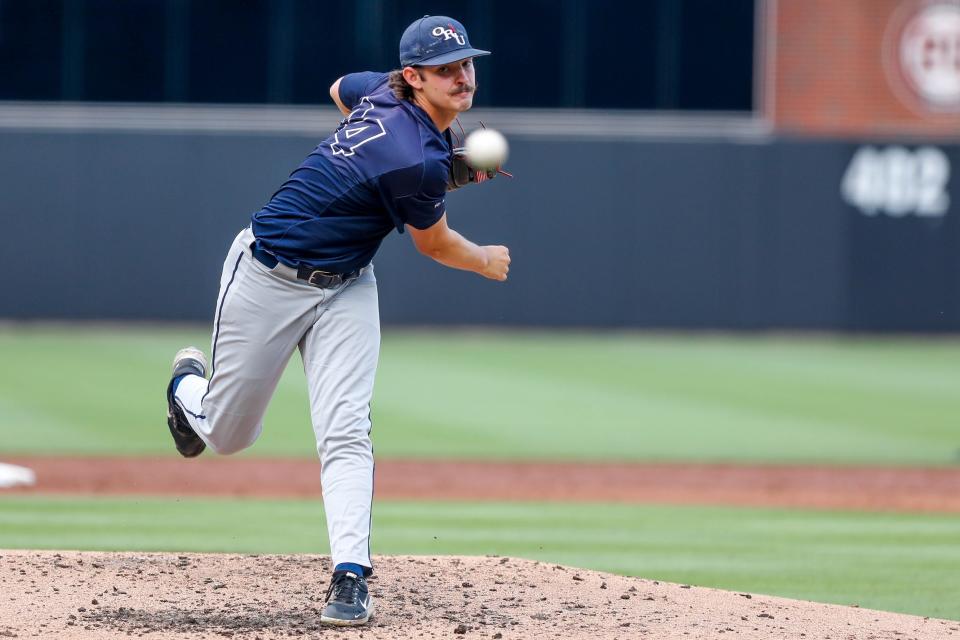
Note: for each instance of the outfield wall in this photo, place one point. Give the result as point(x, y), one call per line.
point(613, 220)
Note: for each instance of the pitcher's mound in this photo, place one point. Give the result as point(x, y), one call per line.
point(161, 595)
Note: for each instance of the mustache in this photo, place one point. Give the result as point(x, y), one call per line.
point(464, 89)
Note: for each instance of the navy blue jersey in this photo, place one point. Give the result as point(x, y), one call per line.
point(384, 167)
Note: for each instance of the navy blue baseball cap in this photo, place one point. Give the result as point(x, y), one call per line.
point(434, 40)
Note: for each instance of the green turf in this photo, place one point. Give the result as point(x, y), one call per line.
point(906, 563)
point(526, 395)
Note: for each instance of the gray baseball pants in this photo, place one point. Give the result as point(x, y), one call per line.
point(262, 316)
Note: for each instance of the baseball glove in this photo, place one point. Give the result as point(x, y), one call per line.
point(461, 173)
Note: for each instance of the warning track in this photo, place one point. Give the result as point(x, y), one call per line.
point(861, 488)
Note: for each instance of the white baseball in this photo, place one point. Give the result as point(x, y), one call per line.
point(486, 149)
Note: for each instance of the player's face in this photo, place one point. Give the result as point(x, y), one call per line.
point(450, 87)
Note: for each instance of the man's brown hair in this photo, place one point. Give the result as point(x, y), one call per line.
point(399, 85)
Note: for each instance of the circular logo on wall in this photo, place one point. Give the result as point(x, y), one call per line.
point(922, 52)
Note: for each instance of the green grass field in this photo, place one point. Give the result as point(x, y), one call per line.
point(906, 563)
point(526, 396)
point(568, 396)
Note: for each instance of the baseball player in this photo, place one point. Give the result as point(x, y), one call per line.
point(301, 277)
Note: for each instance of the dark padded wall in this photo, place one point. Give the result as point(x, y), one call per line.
point(667, 234)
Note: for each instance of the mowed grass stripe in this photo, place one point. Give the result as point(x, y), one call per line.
point(748, 386)
point(896, 562)
point(526, 396)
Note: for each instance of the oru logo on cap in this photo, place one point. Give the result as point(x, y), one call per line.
point(449, 33)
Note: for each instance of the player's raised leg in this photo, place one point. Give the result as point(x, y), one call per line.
point(259, 320)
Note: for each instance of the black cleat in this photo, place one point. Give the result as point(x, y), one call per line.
point(348, 600)
point(189, 444)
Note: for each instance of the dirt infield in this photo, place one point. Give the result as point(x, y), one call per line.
point(100, 595)
point(865, 488)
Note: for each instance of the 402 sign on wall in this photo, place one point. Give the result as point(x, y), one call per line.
point(897, 181)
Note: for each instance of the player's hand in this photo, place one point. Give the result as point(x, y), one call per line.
point(498, 262)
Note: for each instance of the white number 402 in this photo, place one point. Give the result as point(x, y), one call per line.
point(898, 182)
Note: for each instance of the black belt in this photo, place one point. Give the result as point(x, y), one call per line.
point(314, 277)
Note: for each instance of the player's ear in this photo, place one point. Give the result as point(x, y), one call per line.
point(413, 77)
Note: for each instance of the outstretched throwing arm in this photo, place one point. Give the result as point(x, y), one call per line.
point(451, 249)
